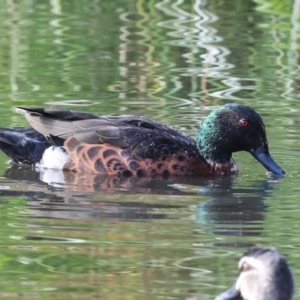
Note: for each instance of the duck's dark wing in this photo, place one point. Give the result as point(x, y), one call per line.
point(23, 145)
point(139, 136)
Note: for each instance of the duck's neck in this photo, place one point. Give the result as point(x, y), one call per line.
point(211, 144)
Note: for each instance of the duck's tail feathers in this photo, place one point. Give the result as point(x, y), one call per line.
point(23, 145)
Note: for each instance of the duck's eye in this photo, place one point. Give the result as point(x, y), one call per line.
point(245, 267)
point(243, 123)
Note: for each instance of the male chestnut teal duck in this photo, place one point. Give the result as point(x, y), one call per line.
point(137, 146)
point(264, 275)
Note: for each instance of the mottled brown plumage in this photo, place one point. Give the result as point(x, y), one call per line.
point(111, 160)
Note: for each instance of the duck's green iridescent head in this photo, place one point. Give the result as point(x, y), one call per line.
point(232, 128)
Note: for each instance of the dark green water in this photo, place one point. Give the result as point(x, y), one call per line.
point(169, 60)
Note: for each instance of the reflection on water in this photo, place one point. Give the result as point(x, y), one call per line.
point(78, 198)
point(235, 211)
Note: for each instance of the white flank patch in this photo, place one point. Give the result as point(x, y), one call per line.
point(55, 178)
point(53, 158)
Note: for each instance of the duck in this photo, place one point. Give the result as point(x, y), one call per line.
point(264, 275)
point(130, 145)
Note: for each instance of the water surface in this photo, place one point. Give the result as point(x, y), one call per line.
point(73, 237)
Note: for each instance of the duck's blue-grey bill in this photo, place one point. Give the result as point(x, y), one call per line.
point(263, 156)
point(231, 294)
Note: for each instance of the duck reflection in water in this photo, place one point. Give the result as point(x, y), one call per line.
point(231, 209)
point(264, 275)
